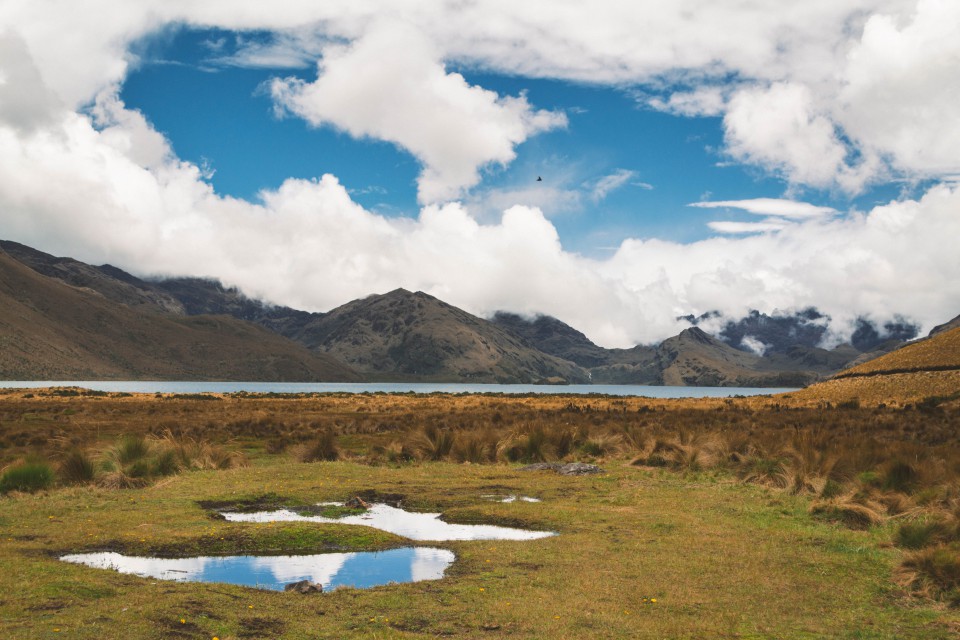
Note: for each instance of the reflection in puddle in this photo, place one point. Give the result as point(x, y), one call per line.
point(361, 569)
point(511, 498)
point(415, 526)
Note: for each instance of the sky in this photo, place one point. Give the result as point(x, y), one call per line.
point(616, 165)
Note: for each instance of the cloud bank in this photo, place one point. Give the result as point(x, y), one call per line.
point(827, 94)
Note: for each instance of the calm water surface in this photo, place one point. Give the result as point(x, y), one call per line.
point(415, 526)
point(395, 387)
point(360, 570)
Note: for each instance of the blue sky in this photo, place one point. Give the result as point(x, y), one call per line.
point(725, 156)
point(220, 116)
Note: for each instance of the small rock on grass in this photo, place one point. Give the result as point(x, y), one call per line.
point(569, 469)
point(357, 503)
point(304, 586)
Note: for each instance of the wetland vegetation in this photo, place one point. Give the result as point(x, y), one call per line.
point(768, 517)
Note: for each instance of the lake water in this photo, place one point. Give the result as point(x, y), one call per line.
point(360, 569)
point(395, 387)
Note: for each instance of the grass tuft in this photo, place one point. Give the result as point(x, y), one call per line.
point(27, 477)
point(846, 511)
point(76, 468)
point(323, 449)
point(933, 572)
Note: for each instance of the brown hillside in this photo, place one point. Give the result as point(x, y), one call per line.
point(53, 331)
point(927, 369)
point(695, 358)
point(404, 335)
point(938, 353)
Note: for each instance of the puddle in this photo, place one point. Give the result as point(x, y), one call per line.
point(508, 499)
point(360, 569)
point(415, 526)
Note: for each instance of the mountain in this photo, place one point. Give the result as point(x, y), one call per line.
point(946, 326)
point(51, 330)
point(414, 336)
point(782, 333)
point(404, 335)
point(691, 358)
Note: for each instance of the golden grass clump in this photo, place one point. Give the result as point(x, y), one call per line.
point(933, 572)
point(849, 511)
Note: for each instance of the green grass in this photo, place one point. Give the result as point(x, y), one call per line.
point(29, 476)
point(721, 559)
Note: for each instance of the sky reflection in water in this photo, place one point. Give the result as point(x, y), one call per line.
point(415, 526)
point(360, 569)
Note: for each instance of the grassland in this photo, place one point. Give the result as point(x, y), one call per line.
point(733, 515)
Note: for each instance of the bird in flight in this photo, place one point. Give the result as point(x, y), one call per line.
point(539, 179)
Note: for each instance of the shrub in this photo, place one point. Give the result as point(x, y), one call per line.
point(28, 476)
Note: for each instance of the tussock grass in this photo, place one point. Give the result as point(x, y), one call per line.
point(77, 468)
point(849, 511)
point(27, 476)
point(932, 572)
point(323, 449)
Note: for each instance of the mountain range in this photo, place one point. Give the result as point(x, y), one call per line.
point(61, 318)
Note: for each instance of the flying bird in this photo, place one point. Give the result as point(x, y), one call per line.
point(539, 179)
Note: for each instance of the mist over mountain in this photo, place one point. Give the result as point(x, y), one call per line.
point(779, 333)
point(401, 335)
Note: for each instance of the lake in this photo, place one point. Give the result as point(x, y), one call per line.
point(395, 387)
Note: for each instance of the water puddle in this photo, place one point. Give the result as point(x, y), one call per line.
point(415, 526)
point(360, 569)
point(510, 498)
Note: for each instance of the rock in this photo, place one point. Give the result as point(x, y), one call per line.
point(304, 586)
point(579, 469)
point(357, 502)
point(569, 469)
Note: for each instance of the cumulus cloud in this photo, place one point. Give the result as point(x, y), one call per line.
point(828, 93)
point(391, 85)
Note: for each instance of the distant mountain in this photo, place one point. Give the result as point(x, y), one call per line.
point(691, 358)
point(51, 330)
point(779, 333)
point(552, 336)
point(404, 335)
point(410, 336)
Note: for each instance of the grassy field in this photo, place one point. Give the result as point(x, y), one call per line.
point(713, 519)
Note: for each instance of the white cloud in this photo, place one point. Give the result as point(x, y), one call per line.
point(829, 93)
point(391, 85)
point(734, 227)
point(611, 182)
point(770, 207)
point(703, 101)
point(754, 345)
